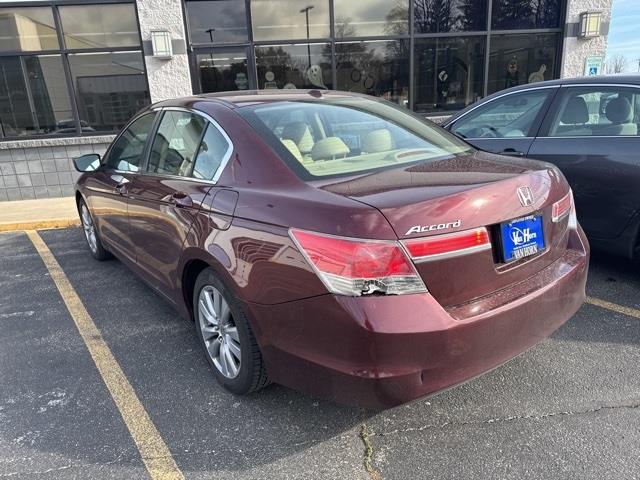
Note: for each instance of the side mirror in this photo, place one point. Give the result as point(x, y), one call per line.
point(87, 163)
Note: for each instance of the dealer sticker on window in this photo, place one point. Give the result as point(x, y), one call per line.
point(522, 238)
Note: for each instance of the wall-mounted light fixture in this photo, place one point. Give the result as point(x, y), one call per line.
point(590, 24)
point(161, 44)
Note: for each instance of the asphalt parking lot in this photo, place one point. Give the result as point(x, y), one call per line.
point(566, 409)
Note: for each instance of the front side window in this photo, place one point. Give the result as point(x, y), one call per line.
point(126, 153)
point(506, 117)
point(176, 143)
point(213, 150)
point(597, 111)
point(345, 136)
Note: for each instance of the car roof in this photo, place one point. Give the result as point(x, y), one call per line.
point(627, 78)
point(248, 97)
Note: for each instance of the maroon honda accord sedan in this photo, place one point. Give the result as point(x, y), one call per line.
point(335, 243)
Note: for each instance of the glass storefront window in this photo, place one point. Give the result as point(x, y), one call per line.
point(217, 21)
point(109, 87)
point(518, 14)
point(294, 66)
point(449, 72)
point(450, 16)
point(375, 68)
point(35, 90)
point(520, 59)
point(33, 96)
point(27, 30)
point(223, 71)
point(289, 19)
point(370, 17)
point(99, 26)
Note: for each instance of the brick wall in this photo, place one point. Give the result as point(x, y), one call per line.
point(43, 168)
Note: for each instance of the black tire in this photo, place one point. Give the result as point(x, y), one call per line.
point(98, 251)
point(251, 375)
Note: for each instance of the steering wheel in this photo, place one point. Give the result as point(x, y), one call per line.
point(489, 132)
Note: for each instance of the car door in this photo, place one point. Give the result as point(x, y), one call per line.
point(109, 185)
point(591, 134)
point(181, 169)
point(506, 124)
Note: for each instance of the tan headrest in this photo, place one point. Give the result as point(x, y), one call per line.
point(377, 141)
point(329, 148)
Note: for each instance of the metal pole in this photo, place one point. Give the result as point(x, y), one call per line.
point(305, 10)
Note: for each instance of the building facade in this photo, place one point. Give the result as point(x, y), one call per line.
point(72, 72)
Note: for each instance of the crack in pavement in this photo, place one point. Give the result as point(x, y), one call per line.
point(631, 406)
point(367, 461)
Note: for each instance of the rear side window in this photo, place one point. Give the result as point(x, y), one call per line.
point(337, 137)
point(126, 152)
point(597, 111)
point(176, 143)
point(213, 150)
point(510, 116)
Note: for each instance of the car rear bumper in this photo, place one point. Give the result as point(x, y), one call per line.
point(382, 351)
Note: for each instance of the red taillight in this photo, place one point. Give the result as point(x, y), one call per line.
point(562, 207)
point(453, 244)
point(356, 267)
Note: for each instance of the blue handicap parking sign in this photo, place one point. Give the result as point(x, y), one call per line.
point(593, 70)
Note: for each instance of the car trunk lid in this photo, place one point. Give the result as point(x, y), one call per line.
point(459, 194)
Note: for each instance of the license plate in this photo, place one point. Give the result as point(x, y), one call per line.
point(522, 238)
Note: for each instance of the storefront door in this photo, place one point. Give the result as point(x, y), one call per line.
point(222, 69)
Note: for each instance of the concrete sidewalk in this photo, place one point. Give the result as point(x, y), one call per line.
point(38, 214)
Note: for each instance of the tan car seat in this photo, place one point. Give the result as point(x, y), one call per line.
point(575, 117)
point(293, 149)
point(300, 134)
point(619, 113)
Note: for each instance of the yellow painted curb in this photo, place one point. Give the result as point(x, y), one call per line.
point(40, 224)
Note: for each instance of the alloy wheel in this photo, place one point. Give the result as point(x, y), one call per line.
point(219, 332)
point(89, 229)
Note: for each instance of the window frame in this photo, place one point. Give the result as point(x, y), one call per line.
point(553, 111)
point(64, 52)
point(144, 166)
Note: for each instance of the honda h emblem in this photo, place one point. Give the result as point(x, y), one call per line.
point(525, 195)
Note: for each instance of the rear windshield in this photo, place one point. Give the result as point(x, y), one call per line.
point(346, 136)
